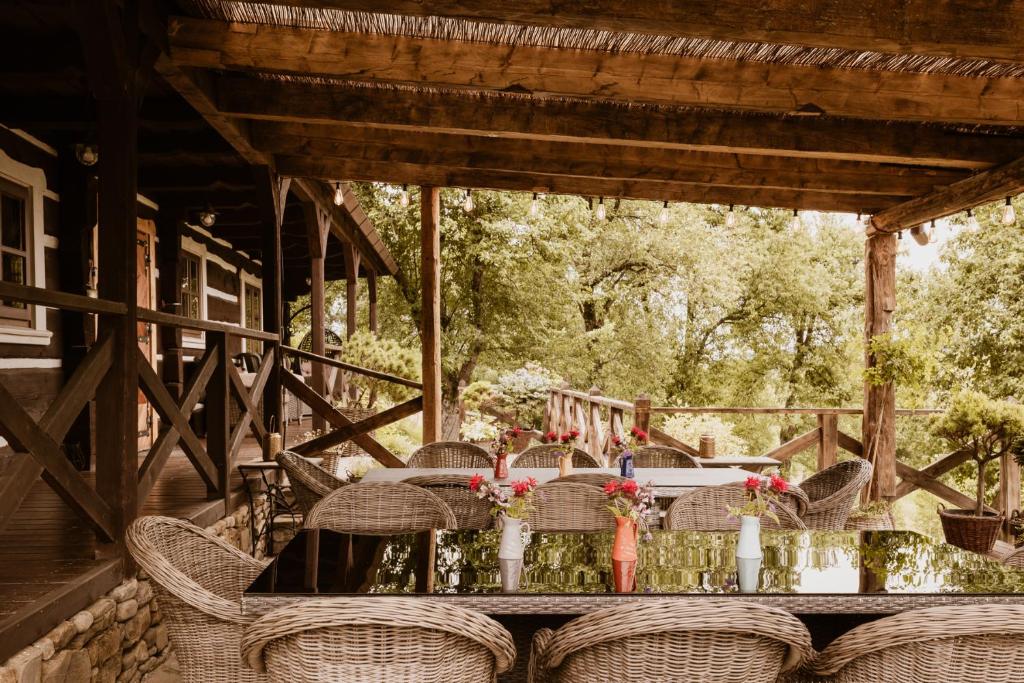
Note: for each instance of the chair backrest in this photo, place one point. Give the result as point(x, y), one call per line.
point(471, 512)
point(833, 492)
point(546, 455)
point(1015, 559)
point(450, 454)
point(706, 509)
point(932, 645)
point(663, 456)
point(198, 580)
point(384, 639)
point(570, 506)
point(309, 482)
point(380, 508)
point(712, 642)
point(592, 478)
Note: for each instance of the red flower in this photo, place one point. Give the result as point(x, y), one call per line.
point(475, 481)
point(635, 430)
point(550, 437)
point(523, 486)
point(617, 440)
point(778, 484)
point(532, 482)
point(574, 433)
point(753, 483)
point(611, 487)
point(641, 436)
point(629, 487)
point(566, 438)
point(517, 430)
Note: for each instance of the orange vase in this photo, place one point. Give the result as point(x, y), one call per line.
point(624, 555)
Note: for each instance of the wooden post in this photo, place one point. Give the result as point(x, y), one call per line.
point(1009, 492)
point(168, 231)
point(272, 192)
point(549, 411)
point(828, 440)
point(317, 226)
point(879, 423)
point(371, 290)
point(430, 313)
point(595, 432)
point(642, 412)
point(218, 416)
point(351, 287)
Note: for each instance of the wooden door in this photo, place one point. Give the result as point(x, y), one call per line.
point(146, 291)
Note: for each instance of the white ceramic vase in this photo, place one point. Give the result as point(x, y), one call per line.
point(749, 545)
point(510, 554)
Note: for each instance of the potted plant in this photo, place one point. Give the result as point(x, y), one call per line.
point(874, 516)
point(986, 429)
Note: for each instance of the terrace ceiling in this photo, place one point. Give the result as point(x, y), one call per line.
point(846, 106)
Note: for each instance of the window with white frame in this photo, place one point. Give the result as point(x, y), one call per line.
point(21, 249)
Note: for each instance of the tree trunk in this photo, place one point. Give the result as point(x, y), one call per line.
point(979, 509)
point(451, 422)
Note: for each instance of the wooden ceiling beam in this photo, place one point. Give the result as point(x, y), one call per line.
point(924, 27)
point(612, 76)
point(981, 188)
point(429, 174)
point(594, 122)
point(597, 161)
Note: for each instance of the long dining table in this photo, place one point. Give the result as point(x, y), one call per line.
point(827, 578)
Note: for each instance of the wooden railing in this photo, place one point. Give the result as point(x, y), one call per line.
point(598, 418)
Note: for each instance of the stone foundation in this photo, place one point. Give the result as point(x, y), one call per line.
point(121, 637)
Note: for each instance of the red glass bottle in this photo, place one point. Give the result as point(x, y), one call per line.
point(501, 466)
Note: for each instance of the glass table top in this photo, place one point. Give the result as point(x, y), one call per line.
point(320, 562)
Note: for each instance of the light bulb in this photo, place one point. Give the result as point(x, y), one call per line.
point(663, 216)
point(87, 155)
point(600, 212)
point(1009, 215)
point(972, 221)
point(795, 223)
point(403, 198)
point(339, 196)
point(534, 206)
point(931, 230)
point(730, 218)
point(208, 217)
point(467, 205)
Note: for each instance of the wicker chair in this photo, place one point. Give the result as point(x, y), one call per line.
point(1015, 559)
point(198, 579)
point(398, 640)
point(570, 506)
point(379, 508)
point(309, 482)
point(450, 454)
point(546, 455)
point(592, 478)
point(471, 512)
point(966, 644)
point(833, 492)
point(662, 456)
point(691, 641)
point(706, 510)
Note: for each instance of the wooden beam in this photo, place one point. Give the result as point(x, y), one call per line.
point(351, 287)
point(272, 192)
point(525, 181)
point(795, 445)
point(935, 470)
point(371, 290)
point(920, 27)
point(878, 426)
point(350, 431)
point(318, 224)
point(1004, 181)
point(617, 76)
point(544, 157)
point(430, 310)
point(936, 487)
point(605, 123)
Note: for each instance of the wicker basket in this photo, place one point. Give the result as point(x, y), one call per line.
point(966, 530)
point(881, 521)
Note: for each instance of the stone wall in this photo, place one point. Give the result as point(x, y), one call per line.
point(121, 637)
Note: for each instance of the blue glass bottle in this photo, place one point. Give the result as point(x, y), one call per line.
point(626, 464)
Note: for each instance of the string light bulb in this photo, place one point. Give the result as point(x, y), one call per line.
point(663, 215)
point(535, 205)
point(972, 221)
point(403, 198)
point(207, 217)
point(730, 218)
point(339, 196)
point(931, 229)
point(795, 222)
point(467, 205)
point(1009, 214)
point(600, 212)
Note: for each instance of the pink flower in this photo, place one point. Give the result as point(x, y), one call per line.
point(629, 487)
point(611, 487)
point(778, 484)
point(523, 486)
point(753, 483)
point(475, 481)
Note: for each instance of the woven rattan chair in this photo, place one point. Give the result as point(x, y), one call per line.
point(706, 509)
point(450, 454)
point(381, 508)
point(689, 641)
point(397, 640)
point(592, 478)
point(966, 644)
point(198, 579)
point(833, 492)
point(570, 506)
point(309, 482)
point(1015, 559)
point(662, 456)
point(546, 455)
point(471, 512)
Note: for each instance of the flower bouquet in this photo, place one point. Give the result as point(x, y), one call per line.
point(568, 440)
point(630, 503)
point(762, 498)
point(502, 448)
point(511, 511)
point(625, 448)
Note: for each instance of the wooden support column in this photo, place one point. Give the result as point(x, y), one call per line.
point(642, 412)
point(879, 423)
point(828, 440)
point(371, 290)
point(168, 232)
point(272, 192)
point(218, 417)
point(430, 312)
point(318, 223)
point(1009, 492)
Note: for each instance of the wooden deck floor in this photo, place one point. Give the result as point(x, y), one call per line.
point(48, 558)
